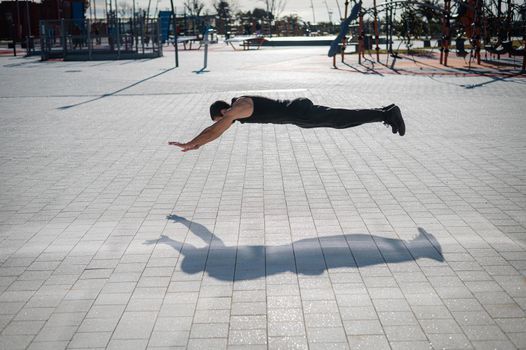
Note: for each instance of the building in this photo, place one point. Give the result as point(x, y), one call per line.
point(19, 19)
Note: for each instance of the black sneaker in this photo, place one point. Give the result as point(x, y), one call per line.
point(389, 120)
point(394, 119)
point(396, 116)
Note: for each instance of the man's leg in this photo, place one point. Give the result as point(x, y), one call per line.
point(340, 118)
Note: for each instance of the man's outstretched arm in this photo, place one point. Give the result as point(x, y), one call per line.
point(242, 108)
point(207, 135)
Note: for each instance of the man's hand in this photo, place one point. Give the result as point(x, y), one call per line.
point(207, 135)
point(184, 146)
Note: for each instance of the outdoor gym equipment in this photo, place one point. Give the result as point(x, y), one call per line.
point(478, 21)
point(344, 29)
point(205, 42)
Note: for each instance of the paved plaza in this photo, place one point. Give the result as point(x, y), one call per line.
point(271, 237)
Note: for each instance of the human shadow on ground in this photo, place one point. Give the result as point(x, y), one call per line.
point(310, 256)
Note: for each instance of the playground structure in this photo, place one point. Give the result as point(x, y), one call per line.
point(497, 27)
point(114, 38)
point(70, 30)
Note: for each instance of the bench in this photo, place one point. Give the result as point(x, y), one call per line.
point(247, 43)
point(187, 41)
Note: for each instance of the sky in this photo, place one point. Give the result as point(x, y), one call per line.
point(302, 8)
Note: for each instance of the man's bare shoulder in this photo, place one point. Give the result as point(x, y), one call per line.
point(244, 100)
point(243, 107)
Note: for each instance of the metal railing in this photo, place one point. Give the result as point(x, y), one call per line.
point(116, 38)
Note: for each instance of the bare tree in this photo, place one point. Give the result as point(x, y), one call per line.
point(274, 7)
point(194, 7)
point(429, 9)
point(125, 9)
point(224, 16)
point(222, 8)
point(231, 4)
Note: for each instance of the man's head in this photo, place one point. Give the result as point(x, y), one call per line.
point(217, 109)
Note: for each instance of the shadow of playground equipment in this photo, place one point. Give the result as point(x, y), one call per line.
point(311, 256)
point(116, 91)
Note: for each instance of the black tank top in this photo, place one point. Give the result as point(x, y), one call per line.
point(268, 110)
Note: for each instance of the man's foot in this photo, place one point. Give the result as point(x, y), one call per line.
point(397, 118)
point(386, 108)
point(389, 121)
point(394, 126)
point(394, 119)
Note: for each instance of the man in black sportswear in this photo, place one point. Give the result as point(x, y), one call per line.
point(301, 112)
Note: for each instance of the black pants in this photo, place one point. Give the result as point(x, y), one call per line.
point(305, 114)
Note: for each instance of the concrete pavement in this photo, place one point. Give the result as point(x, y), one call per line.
point(272, 237)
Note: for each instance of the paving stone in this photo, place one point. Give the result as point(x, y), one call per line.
point(326, 335)
point(363, 327)
point(484, 333)
point(34, 314)
point(135, 325)
point(283, 315)
point(15, 341)
point(411, 345)
point(518, 339)
point(169, 324)
point(211, 316)
point(59, 333)
point(256, 308)
point(404, 333)
point(390, 305)
point(286, 329)
point(397, 318)
point(202, 344)
point(288, 343)
point(125, 344)
point(511, 324)
point(247, 337)
point(248, 347)
point(323, 320)
point(493, 344)
point(433, 326)
point(169, 339)
point(90, 340)
point(473, 318)
point(319, 306)
point(368, 342)
point(98, 324)
point(212, 330)
point(331, 346)
point(23, 328)
point(73, 306)
point(106, 311)
point(11, 308)
point(53, 345)
point(456, 341)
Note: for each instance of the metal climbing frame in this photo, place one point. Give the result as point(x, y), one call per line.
point(446, 33)
point(112, 39)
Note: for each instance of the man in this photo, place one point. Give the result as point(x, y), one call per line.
point(301, 112)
